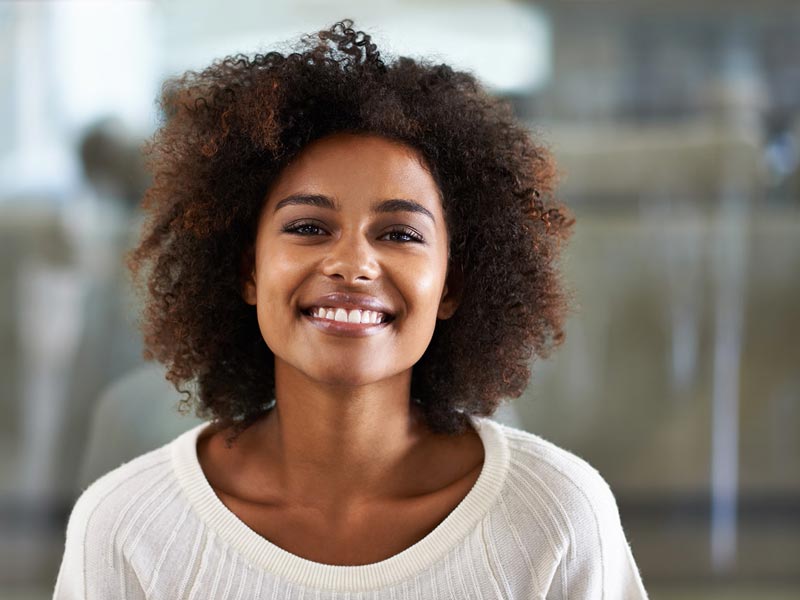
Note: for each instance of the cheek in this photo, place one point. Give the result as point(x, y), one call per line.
point(429, 287)
point(278, 269)
point(276, 286)
point(422, 287)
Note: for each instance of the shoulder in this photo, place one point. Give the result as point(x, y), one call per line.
point(107, 501)
point(109, 515)
point(558, 500)
point(561, 503)
point(139, 495)
point(568, 477)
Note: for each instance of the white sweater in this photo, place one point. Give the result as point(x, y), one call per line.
point(538, 523)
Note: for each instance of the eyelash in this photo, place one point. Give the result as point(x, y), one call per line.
point(294, 228)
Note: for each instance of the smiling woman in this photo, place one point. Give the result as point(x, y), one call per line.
point(352, 262)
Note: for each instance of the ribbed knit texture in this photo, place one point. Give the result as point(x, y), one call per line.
point(538, 523)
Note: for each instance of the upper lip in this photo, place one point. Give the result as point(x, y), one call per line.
point(349, 301)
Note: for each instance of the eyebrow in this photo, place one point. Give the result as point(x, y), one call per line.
point(383, 206)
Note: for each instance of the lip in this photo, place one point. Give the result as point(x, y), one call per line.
point(350, 301)
point(345, 328)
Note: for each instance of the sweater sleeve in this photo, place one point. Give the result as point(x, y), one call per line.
point(597, 563)
point(90, 568)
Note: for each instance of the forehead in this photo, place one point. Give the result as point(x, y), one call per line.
point(356, 167)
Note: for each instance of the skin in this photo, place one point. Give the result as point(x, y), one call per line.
point(344, 422)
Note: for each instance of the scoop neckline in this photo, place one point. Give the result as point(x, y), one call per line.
point(345, 578)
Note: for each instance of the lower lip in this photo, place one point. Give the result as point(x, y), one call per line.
point(346, 328)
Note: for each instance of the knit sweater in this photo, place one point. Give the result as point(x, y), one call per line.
point(538, 523)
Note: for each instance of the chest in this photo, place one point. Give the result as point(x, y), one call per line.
point(370, 535)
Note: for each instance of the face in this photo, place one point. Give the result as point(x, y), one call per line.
point(358, 216)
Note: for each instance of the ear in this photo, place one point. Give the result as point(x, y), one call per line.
point(452, 292)
point(247, 275)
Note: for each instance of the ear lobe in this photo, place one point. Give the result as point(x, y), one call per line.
point(247, 275)
point(452, 293)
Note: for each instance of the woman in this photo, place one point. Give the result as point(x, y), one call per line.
point(352, 264)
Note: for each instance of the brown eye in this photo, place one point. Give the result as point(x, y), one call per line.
point(409, 234)
point(302, 228)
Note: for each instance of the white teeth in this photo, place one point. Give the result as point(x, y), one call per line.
point(351, 316)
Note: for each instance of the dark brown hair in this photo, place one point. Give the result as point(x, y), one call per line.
point(226, 134)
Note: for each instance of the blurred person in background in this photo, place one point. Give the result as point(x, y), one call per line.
point(135, 412)
point(112, 162)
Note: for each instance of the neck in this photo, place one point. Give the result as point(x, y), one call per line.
point(356, 444)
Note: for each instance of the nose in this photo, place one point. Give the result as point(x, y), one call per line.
point(351, 258)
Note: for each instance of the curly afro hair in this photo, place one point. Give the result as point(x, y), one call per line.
point(229, 130)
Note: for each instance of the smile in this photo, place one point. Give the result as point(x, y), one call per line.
point(352, 323)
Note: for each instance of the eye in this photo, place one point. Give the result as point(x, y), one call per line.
point(409, 234)
point(302, 228)
point(310, 229)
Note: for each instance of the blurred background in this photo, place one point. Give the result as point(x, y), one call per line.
point(677, 129)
